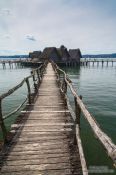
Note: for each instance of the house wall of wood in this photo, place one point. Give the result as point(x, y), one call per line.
point(54, 56)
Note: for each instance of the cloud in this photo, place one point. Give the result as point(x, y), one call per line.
point(7, 36)
point(5, 12)
point(87, 24)
point(31, 38)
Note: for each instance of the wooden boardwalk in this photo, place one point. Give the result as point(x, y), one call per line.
point(44, 142)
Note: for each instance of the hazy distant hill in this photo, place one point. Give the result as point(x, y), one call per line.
point(15, 56)
point(113, 55)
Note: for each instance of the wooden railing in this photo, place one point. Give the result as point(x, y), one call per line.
point(36, 75)
point(106, 141)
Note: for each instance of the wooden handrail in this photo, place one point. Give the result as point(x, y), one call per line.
point(77, 139)
point(106, 141)
point(19, 85)
point(16, 110)
point(12, 90)
point(39, 71)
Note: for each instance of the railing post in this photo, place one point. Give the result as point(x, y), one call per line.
point(37, 71)
point(77, 120)
point(35, 86)
point(65, 86)
point(58, 77)
point(77, 111)
point(40, 72)
point(2, 125)
point(29, 90)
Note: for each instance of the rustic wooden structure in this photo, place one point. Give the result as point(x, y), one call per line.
point(98, 62)
point(16, 63)
point(61, 56)
point(47, 141)
point(44, 142)
point(20, 63)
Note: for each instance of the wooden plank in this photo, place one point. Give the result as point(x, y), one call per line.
point(31, 147)
point(38, 161)
point(38, 138)
point(43, 124)
point(41, 167)
point(46, 111)
point(45, 130)
point(43, 142)
point(44, 172)
point(53, 139)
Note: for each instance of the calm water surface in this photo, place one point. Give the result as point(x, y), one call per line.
point(8, 79)
point(97, 85)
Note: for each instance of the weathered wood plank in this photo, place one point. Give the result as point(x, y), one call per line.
point(46, 172)
point(41, 167)
point(43, 143)
point(38, 161)
point(41, 156)
point(43, 124)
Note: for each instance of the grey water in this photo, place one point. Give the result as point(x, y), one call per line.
point(97, 85)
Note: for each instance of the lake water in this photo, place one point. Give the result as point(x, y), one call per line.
point(97, 85)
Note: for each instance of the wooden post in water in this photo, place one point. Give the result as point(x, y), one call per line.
point(2, 125)
point(33, 75)
point(4, 65)
point(29, 90)
point(97, 63)
point(112, 63)
point(107, 63)
point(102, 63)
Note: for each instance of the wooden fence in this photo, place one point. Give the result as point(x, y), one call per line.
point(106, 141)
point(36, 75)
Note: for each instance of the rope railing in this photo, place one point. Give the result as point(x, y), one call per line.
point(36, 75)
point(106, 141)
point(16, 110)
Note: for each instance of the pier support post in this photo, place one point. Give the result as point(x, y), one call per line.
point(112, 63)
point(107, 63)
point(2, 125)
point(102, 63)
point(29, 90)
point(97, 63)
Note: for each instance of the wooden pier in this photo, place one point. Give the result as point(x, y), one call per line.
point(98, 62)
point(16, 63)
point(47, 140)
point(44, 143)
point(19, 63)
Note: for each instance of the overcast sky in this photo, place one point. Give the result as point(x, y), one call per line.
point(28, 25)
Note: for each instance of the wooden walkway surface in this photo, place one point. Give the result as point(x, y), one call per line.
point(44, 142)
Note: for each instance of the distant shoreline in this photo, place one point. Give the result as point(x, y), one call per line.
point(14, 56)
point(83, 56)
point(113, 55)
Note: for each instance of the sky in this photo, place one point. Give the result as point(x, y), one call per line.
point(29, 25)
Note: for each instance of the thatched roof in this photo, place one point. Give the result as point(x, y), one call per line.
point(63, 52)
point(75, 53)
point(34, 54)
point(56, 54)
point(47, 52)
